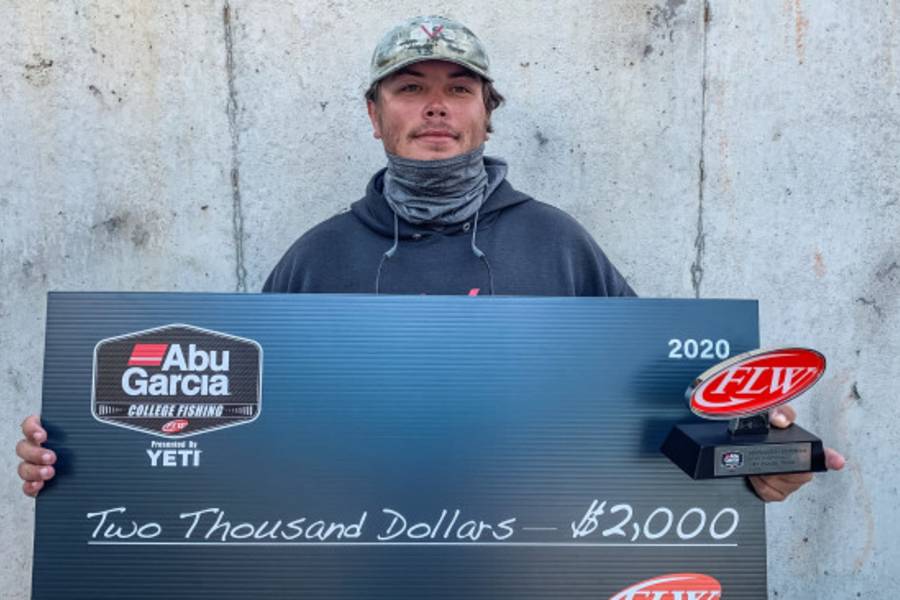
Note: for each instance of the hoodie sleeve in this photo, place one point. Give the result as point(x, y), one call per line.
point(584, 266)
point(336, 256)
point(599, 276)
point(285, 277)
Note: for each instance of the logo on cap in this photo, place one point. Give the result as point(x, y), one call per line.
point(436, 31)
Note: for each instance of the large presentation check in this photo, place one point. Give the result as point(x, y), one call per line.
point(340, 446)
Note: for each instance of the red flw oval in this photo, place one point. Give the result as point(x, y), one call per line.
point(754, 382)
point(674, 586)
point(175, 425)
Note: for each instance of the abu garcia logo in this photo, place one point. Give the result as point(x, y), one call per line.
point(176, 381)
point(179, 374)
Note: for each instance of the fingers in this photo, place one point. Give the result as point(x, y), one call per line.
point(34, 454)
point(32, 430)
point(782, 416)
point(764, 490)
point(775, 488)
point(35, 467)
point(790, 479)
point(834, 460)
point(29, 472)
point(31, 488)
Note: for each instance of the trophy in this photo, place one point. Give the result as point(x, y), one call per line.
point(736, 396)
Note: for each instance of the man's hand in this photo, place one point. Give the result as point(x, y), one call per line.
point(36, 466)
point(775, 488)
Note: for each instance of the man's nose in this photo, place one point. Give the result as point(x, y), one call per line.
point(436, 108)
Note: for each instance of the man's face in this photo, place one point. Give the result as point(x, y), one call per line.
point(430, 110)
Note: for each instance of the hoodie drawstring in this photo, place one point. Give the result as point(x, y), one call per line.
point(478, 253)
point(390, 252)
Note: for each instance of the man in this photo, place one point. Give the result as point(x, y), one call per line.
point(441, 218)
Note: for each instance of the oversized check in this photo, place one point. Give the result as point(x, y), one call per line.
point(339, 446)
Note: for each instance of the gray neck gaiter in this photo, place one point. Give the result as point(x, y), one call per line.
point(440, 192)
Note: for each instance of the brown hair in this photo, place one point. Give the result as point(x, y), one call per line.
point(492, 98)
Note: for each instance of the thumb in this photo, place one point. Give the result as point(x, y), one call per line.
point(782, 416)
point(834, 460)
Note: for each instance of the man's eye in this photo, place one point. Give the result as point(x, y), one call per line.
point(410, 87)
point(461, 89)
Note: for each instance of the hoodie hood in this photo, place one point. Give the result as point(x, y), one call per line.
point(534, 249)
point(375, 213)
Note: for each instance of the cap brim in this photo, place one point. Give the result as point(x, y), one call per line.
point(418, 59)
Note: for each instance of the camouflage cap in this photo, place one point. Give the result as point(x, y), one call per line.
point(428, 38)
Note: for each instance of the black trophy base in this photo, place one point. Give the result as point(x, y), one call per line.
point(709, 450)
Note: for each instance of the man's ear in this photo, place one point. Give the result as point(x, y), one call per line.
point(373, 117)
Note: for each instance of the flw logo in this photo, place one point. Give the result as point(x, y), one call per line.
point(675, 586)
point(755, 382)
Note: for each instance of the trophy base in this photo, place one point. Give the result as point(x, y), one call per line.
point(710, 451)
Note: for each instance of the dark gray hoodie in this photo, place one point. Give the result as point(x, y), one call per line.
point(517, 246)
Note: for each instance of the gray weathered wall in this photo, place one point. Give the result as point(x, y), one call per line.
point(751, 153)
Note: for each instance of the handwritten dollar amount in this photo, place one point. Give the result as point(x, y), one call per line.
point(688, 525)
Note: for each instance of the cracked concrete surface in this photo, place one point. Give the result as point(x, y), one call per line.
point(700, 239)
point(186, 147)
point(233, 128)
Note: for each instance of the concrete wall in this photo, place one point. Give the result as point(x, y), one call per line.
point(716, 149)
